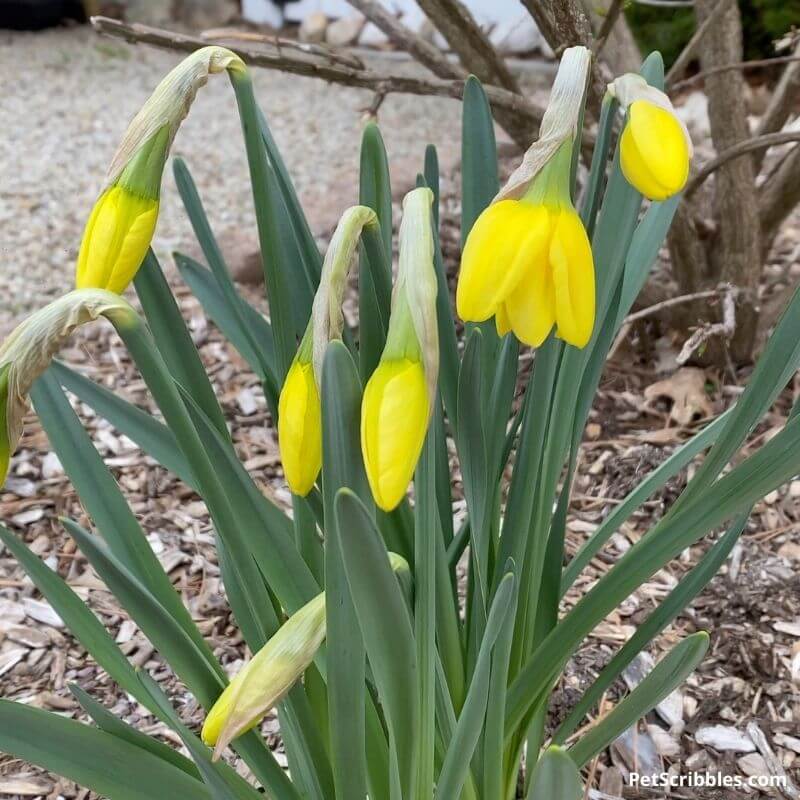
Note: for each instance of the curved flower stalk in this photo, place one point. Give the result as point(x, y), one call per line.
point(266, 679)
point(123, 220)
point(655, 148)
point(30, 348)
point(299, 411)
point(527, 260)
point(398, 399)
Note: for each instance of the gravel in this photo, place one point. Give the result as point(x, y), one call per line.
point(67, 98)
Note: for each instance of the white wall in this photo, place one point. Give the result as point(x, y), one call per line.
point(265, 12)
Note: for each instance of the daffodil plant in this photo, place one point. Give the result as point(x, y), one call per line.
point(407, 657)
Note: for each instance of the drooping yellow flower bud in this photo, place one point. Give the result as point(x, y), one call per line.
point(267, 678)
point(300, 427)
point(299, 411)
point(394, 420)
point(271, 673)
point(527, 260)
point(655, 148)
point(399, 396)
point(123, 220)
point(30, 348)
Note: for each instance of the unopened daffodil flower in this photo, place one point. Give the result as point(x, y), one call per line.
point(266, 679)
point(299, 410)
point(527, 260)
point(398, 399)
point(31, 346)
point(123, 220)
point(655, 148)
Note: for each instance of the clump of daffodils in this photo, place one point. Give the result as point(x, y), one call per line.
point(123, 220)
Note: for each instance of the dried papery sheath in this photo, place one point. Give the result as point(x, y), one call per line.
point(169, 104)
point(30, 348)
point(559, 123)
point(655, 147)
point(326, 314)
point(266, 679)
point(416, 278)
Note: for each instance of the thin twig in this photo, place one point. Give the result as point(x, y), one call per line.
point(690, 51)
point(401, 35)
point(742, 66)
point(726, 328)
point(674, 301)
point(738, 150)
point(610, 19)
point(280, 42)
point(373, 80)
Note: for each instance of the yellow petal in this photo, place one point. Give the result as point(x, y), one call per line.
point(654, 151)
point(573, 278)
point(501, 320)
point(394, 421)
point(115, 241)
point(487, 273)
point(300, 428)
point(531, 305)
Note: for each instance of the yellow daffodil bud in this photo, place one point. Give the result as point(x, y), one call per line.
point(398, 398)
point(527, 261)
point(655, 148)
point(123, 220)
point(299, 411)
point(266, 679)
point(300, 426)
point(30, 348)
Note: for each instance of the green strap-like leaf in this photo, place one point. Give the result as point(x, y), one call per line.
point(556, 777)
point(665, 677)
point(182, 654)
point(106, 721)
point(375, 273)
point(380, 607)
point(106, 505)
point(173, 340)
point(88, 630)
point(342, 467)
point(652, 483)
point(152, 436)
point(472, 451)
point(479, 181)
point(248, 332)
point(234, 306)
point(108, 765)
point(427, 531)
point(223, 782)
point(678, 599)
point(286, 309)
point(775, 463)
point(307, 246)
point(455, 768)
